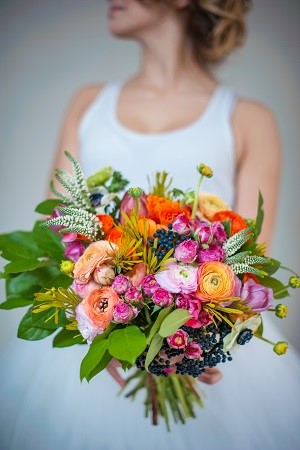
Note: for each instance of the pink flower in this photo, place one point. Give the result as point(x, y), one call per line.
point(182, 301)
point(186, 251)
point(149, 285)
point(74, 250)
point(162, 297)
point(128, 204)
point(84, 289)
point(104, 275)
point(86, 326)
point(258, 297)
point(178, 339)
point(205, 233)
point(193, 350)
point(204, 319)
point(213, 253)
point(123, 313)
point(181, 225)
point(69, 237)
point(121, 284)
point(219, 232)
point(137, 274)
point(133, 294)
point(178, 278)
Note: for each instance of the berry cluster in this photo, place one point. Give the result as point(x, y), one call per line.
point(166, 241)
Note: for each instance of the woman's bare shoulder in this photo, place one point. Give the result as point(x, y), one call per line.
point(83, 98)
point(251, 113)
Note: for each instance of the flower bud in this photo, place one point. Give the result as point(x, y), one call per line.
point(128, 203)
point(205, 170)
point(100, 177)
point(133, 295)
point(104, 275)
point(135, 192)
point(281, 310)
point(280, 348)
point(123, 313)
point(121, 284)
point(162, 297)
point(67, 266)
point(294, 282)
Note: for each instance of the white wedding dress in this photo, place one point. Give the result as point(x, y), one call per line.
point(256, 405)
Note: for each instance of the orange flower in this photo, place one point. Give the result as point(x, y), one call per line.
point(95, 254)
point(99, 306)
point(106, 221)
point(114, 235)
point(247, 276)
point(238, 223)
point(146, 225)
point(209, 204)
point(164, 211)
point(215, 281)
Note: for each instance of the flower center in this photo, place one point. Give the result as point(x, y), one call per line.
point(184, 273)
point(215, 281)
point(101, 305)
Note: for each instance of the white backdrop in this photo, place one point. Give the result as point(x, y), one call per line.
point(49, 49)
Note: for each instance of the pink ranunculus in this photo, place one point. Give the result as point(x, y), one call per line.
point(178, 339)
point(128, 204)
point(74, 250)
point(121, 284)
point(186, 251)
point(149, 285)
point(193, 350)
point(258, 297)
point(104, 275)
point(123, 313)
point(84, 289)
point(218, 232)
point(88, 329)
point(133, 294)
point(182, 225)
point(182, 301)
point(162, 297)
point(214, 253)
point(178, 278)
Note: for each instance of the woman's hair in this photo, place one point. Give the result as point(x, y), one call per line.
point(214, 27)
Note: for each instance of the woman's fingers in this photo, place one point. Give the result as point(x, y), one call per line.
point(112, 368)
point(211, 376)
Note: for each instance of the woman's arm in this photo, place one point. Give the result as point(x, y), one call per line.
point(68, 139)
point(258, 163)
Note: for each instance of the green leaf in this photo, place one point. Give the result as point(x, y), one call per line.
point(260, 329)
point(46, 207)
point(174, 321)
point(160, 318)
point(272, 267)
point(227, 225)
point(49, 242)
point(276, 286)
point(15, 302)
point(154, 348)
point(126, 344)
point(46, 319)
point(100, 366)
point(59, 281)
point(29, 332)
point(67, 338)
point(93, 357)
point(19, 245)
point(22, 265)
point(259, 215)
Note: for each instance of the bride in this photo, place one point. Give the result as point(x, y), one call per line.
point(171, 116)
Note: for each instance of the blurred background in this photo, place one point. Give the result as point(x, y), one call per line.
point(49, 49)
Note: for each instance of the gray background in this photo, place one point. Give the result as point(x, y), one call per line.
point(49, 49)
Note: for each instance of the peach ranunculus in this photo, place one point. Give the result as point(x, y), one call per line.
point(209, 204)
point(216, 281)
point(95, 254)
point(95, 313)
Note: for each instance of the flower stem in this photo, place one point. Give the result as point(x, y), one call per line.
point(264, 339)
point(195, 204)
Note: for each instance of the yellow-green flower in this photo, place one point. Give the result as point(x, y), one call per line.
point(281, 310)
point(100, 177)
point(294, 282)
point(280, 348)
point(67, 266)
point(205, 170)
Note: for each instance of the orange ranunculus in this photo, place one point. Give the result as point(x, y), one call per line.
point(106, 222)
point(164, 211)
point(215, 281)
point(97, 253)
point(238, 223)
point(209, 204)
point(99, 306)
point(114, 235)
point(147, 226)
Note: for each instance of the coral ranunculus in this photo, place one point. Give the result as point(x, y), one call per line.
point(96, 253)
point(99, 306)
point(216, 281)
point(238, 223)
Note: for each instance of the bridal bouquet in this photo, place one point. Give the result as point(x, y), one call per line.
point(169, 283)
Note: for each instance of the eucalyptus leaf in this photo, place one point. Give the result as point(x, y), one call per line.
point(46, 207)
point(154, 348)
point(30, 332)
point(126, 344)
point(174, 321)
point(93, 357)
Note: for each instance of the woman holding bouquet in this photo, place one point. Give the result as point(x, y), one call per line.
point(171, 116)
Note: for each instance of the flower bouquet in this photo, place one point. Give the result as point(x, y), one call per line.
point(168, 283)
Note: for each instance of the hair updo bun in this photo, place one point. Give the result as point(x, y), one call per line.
point(216, 27)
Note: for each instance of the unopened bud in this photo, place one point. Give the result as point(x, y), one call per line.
point(205, 170)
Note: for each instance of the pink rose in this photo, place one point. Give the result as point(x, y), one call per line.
point(124, 313)
point(258, 297)
point(193, 350)
point(149, 285)
point(186, 251)
point(219, 232)
point(213, 253)
point(178, 339)
point(178, 278)
point(133, 294)
point(205, 233)
point(162, 297)
point(181, 225)
point(182, 301)
point(121, 284)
